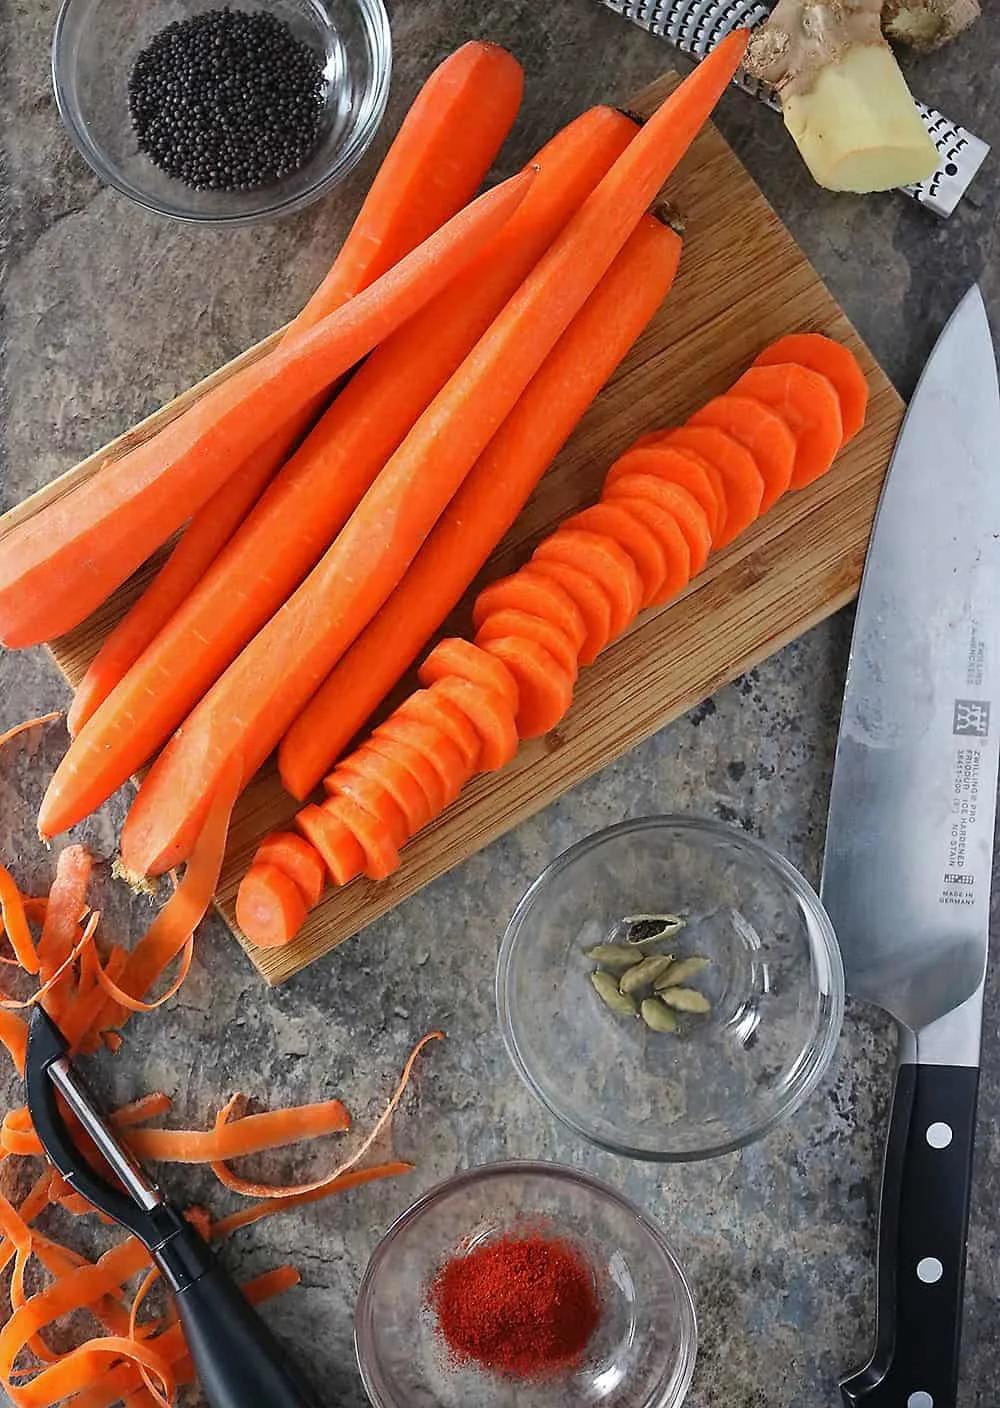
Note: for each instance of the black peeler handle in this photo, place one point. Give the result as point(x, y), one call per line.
point(238, 1361)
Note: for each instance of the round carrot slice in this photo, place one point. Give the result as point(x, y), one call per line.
point(808, 405)
point(269, 906)
point(381, 854)
point(700, 480)
point(296, 858)
point(545, 689)
point(338, 847)
point(634, 537)
point(433, 744)
point(401, 785)
point(762, 431)
point(411, 760)
point(832, 360)
point(372, 796)
point(432, 709)
point(685, 508)
point(602, 559)
point(490, 715)
point(455, 656)
point(591, 599)
point(509, 622)
point(677, 555)
point(743, 483)
point(537, 595)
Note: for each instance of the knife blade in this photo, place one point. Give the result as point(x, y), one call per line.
point(909, 848)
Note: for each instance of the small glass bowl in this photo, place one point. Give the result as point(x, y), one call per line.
point(775, 982)
point(643, 1351)
point(96, 43)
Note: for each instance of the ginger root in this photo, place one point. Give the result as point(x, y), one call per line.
point(927, 24)
point(844, 99)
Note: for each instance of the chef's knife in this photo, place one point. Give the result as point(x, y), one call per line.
point(909, 848)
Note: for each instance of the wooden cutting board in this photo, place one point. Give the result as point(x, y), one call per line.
point(743, 282)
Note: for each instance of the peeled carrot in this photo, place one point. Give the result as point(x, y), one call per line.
point(540, 629)
point(832, 360)
point(544, 688)
point(633, 536)
point(290, 853)
point(341, 851)
point(457, 657)
point(489, 713)
point(374, 799)
point(404, 755)
point(810, 407)
point(331, 471)
point(686, 509)
point(762, 432)
point(381, 856)
point(249, 709)
point(743, 482)
point(591, 600)
point(67, 903)
point(401, 784)
point(486, 504)
point(605, 562)
point(428, 707)
point(536, 595)
point(270, 905)
point(676, 552)
point(649, 455)
point(444, 756)
point(56, 567)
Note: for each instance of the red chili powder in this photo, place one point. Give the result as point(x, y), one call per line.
point(520, 1306)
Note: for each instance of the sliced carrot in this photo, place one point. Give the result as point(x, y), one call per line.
point(454, 656)
point(544, 688)
point(381, 856)
point(432, 709)
point(536, 596)
point(297, 859)
point(489, 713)
point(742, 480)
point(762, 431)
point(405, 755)
point(250, 708)
point(809, 406)
point(508, 622)
point(832, 360)
point(337, 845)
point(701, 480)
point(589, 596)
point(603, 560)
point(269, 906)
point(685, 508)
point(632, 537)
point(373, 797)
point(430, 743)
point(662, 523)
point(401, 785)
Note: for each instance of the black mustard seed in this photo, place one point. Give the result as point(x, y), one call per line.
point(226, 100)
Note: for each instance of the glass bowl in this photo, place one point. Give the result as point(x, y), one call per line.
point(643, 1351)
point(775, 982)
point(96, 43)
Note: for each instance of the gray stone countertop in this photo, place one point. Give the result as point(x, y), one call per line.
point(108, 312)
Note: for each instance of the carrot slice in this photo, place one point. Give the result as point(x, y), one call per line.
point(589, 596)
point(809, 406)
point(603, 560)
point(509, 622)
point(650, 455)
point(633, 537)
point(433, 709)
point(535, 595)
point(742, 480)
point(764, 434)
point(662, 523)
point(405, 755)
point(832, 360)
point(687, 511)
point(372, 797)
point(401, 785)
point(381, 855)
point(269, 906)
point(443, 755)
point(297, 859)
point(489, 713)
point(544, 688)
point(454, 656)
point(338, 847)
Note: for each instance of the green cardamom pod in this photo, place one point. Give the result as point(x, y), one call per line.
point(680, 972)
point(657, 1017)
point(685, 1000)
point(645, 974)
point(615, 958)
point(607, 991)
point(651, 928)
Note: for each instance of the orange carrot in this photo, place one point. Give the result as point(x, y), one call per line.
point(246, 1216)
point(250, 1135)
point(742, 480)
point(490, 715)
point(249, 709)
point(762, 432)
point(605, 562)
point(63, 562)
point(16, 924)
point(402, 785)
point(332, 470)
point(457, 657)
point(270, 905)
point(677, 554)
point(373, 799)
point(810, 407)
point(381, 856)
point(413, 761)
point(290, 853)
point(649, 455)
point(633, 536)
point(427, 707)
point(686, 509)
point(443, 755)
point(67, 903)
point(840, 367)
point(486, 504)
point(335, 843)
point(540, 629)
point(544, 688)
point(533, 594)
point(590, 598)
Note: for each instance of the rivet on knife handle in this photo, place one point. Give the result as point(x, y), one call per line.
point(695, 26)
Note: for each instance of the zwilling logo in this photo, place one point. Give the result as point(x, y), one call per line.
point(972, 718)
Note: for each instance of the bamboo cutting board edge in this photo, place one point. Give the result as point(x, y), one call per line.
point(747, 593)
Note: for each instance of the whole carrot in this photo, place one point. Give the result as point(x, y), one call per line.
point(56, 567)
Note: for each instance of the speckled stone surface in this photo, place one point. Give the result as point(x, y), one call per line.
point(108, 312)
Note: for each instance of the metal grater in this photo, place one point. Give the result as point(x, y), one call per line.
point(694, 26)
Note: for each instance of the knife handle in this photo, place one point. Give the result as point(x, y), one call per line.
point(923, 1231)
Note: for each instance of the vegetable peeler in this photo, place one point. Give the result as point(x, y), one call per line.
point(238, 1361)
